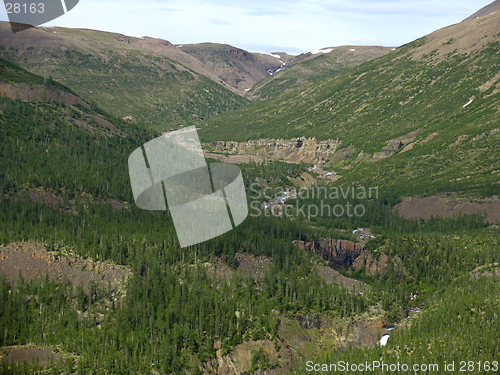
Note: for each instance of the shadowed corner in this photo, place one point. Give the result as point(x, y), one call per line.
point(17, 27)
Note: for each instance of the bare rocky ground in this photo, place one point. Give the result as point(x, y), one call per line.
point(236, 159)
point(51, 199)
point(43, 356)
point(239, 361)
point(29, 93)
point(490, 270)
point(331, 276)
point(297, 150)
point(256, 267)
point(33, 261)
point(425, 208)
point(299, 336)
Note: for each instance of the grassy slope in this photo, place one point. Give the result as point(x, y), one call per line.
point(238, 68)
point(421, 87)
point(123, 342)
point(314, 67)
point(148, 79)
point(49, 148)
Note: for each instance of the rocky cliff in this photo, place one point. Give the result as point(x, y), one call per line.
point(341, 254)
point(297, 150)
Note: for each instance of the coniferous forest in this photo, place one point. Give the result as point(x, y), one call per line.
point(433, 284)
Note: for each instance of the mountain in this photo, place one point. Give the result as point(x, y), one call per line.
point(157, 83)
point(485, 11)
point(238, 68)
point(311, 65)
point(261, 76)
point(90, 283)
point(76, 255)
point(145, 80)
point(50, 136)
point(397, 117)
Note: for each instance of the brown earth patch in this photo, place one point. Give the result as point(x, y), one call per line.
point(331, 276)
point(40, 355)
point(34, 261)
point(45, 197)
point(98, 119)
point(221, 269)
point(255, 266)
point(425, 208)
point(50, 199)
point(31, 93)
point(117, 204)
point(235, 159)
point(240, 359)
point(429, 137)
point(489, 270)
point(251, 265)
point(330, 334)
point(43, 357)
point(305, 180)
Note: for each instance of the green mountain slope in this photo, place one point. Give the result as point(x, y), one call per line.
point(62, 162)
point(146, 79)
point(236, 67)
point(307, 67)
point(434, 103)
point(55, 141)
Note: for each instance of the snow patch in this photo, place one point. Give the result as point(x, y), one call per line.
point(352, 50)
point(180, 45)
point(383, 340)
point(247, 89)
point(393, 49)
point(272, 55)
point(469, 102)
point(323, 50)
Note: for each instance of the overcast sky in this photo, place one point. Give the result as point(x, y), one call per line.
point(291, 26)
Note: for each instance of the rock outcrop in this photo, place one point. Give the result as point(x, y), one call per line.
point(339, 254)
point(297, 150)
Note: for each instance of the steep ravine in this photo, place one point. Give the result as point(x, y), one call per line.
point(342, 254)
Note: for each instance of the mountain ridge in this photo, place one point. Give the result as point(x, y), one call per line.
point(487, 10)
point(428, 100)
point(144, 79)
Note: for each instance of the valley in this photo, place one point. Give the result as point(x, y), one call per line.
point(372, 184)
